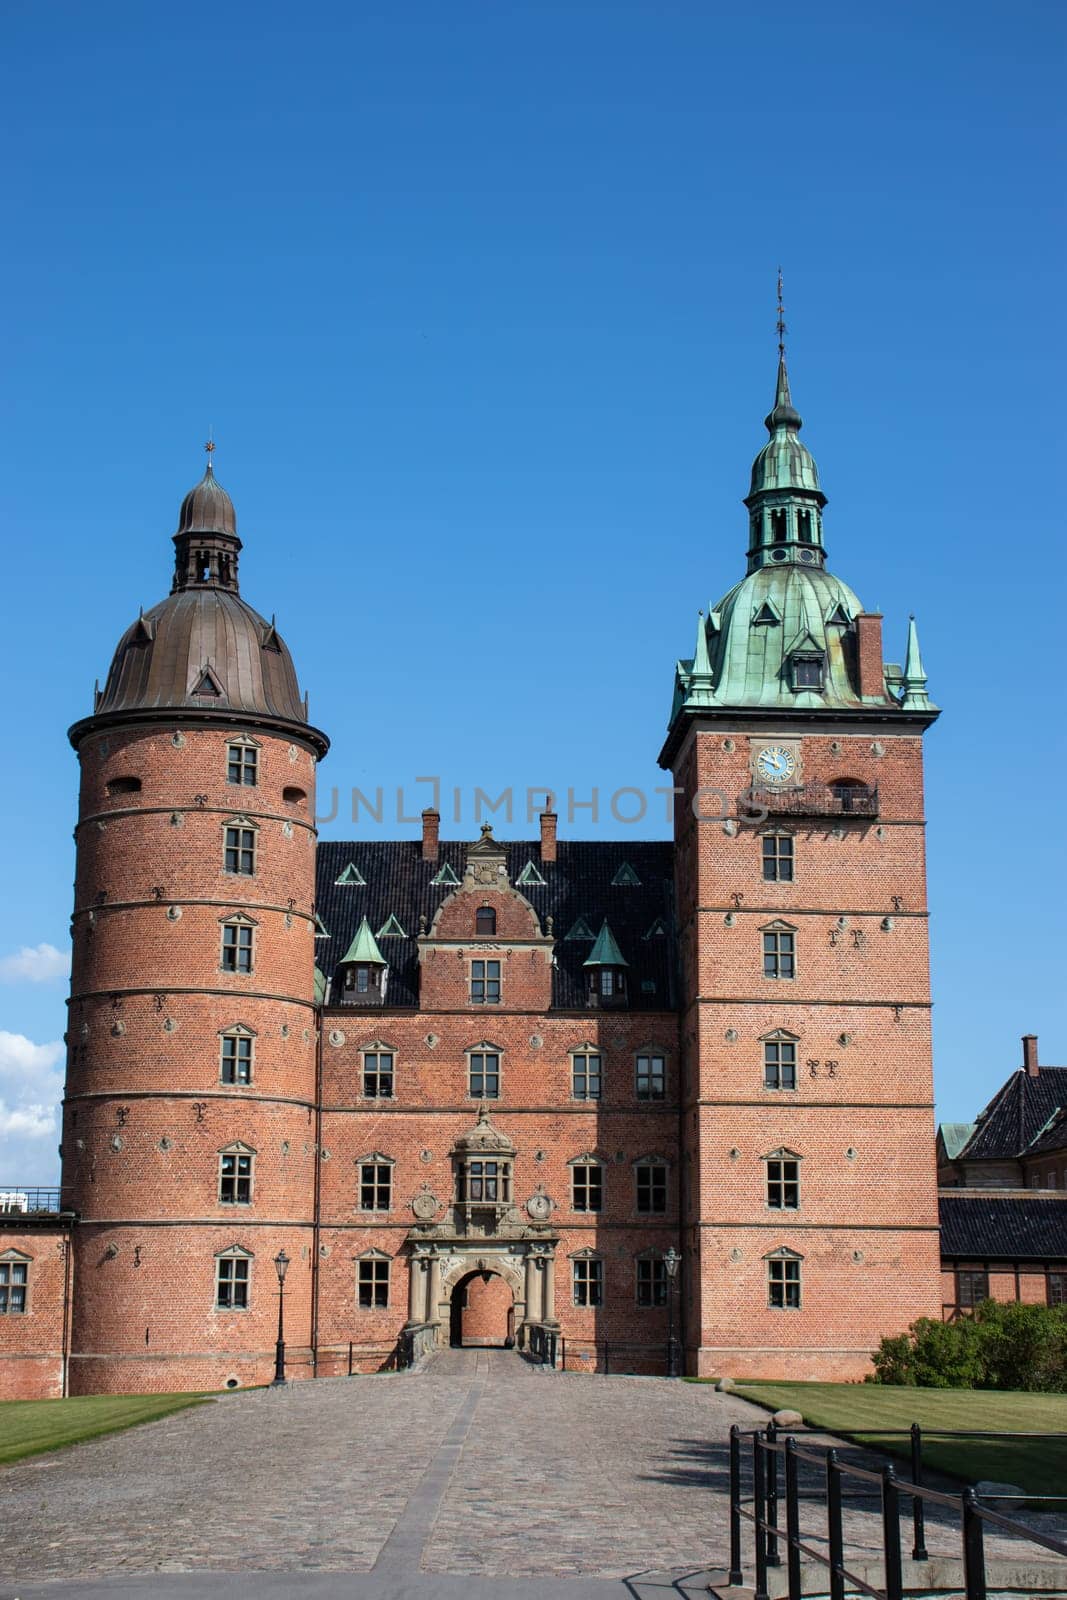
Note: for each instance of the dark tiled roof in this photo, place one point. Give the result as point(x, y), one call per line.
point(1016, 1115)
point(579, 884)
point(1052, 1138)
point(986, 1227)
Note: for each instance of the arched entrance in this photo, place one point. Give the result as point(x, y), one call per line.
point(482, 1310)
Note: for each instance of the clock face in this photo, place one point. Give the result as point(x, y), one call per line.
point(776, 764)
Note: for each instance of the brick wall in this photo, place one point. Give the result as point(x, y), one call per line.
point(33, 1343)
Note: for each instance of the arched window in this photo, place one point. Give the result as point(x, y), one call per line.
point(485, 922)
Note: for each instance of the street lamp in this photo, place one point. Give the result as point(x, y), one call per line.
point(671, 1262)
point(281, 1267)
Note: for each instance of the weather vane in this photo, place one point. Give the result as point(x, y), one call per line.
point(210, 446)
point(781, 317)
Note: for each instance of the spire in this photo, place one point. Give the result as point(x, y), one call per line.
point(364, 948)
point(784, 415)
point(605, 952)
point(206, 543)
point(700, 687)
point(915, 697)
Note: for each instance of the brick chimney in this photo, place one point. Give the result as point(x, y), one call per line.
point(431, 833)
point(1030, 1066)
point(549, 821)
point(869, 654)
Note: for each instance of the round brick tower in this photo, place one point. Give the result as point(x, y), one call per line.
point(189, 1133)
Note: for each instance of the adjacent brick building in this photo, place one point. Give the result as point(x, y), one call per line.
point(493, 1090)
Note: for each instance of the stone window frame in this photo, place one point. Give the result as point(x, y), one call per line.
point(651, 1259)
point(784, 1286)
point(244, 746)
point(651, 1163)
point(486, 963)
point(377, 1048)
point(587, 1279)
point(376, 1278)
point(781, 955)
point(650, 1053)
point(237, 919)
point(484, 1048)
point(377, 1160)
point(237, 1151)
point(233, 1253)
point(783, 1158)
point(9, 1261)
point(776, 1038)
point(775, 858)
point(246, 843)
point(585, 1163)
point(583, 1052)
point(237, 1032)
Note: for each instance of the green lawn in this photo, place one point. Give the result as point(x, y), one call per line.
point(858, 1410)
point(28, 1427)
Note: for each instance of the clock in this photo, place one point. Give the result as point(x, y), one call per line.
point(776, 764)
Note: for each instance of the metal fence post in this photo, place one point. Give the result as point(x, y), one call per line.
point(349, 1358)
point(736, 1575)
point(607, 1359)
point(918, 1510)
point(835, 1538)
point(773, 1558)
point(894, 1573)
point(973, 1547)
point(792, 1521)
point(759, 1508)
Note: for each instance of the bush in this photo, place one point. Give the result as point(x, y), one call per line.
point(1003, 1346)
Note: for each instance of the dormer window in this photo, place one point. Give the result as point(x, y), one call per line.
point(485, 922)
point(808, 671)
point(363, 978)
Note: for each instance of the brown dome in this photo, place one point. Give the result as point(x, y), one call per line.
point(207, 508)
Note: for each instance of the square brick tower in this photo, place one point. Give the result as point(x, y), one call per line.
point(809, 1191)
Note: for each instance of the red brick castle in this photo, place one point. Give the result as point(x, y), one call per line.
point(494, 1091)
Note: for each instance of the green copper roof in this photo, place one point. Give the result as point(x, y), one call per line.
point(320, 987)
point(954, 1136)
point(785, 463)
point(364, 947)
point(605, 953)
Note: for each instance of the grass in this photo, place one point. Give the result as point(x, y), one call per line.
point(859, 1410)
point(29, 1427)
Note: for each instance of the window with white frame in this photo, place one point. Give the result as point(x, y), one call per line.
point(14, 1283)
point(235, 1175)
point(242, 764)
point(783, 1180)
point(778, 858)
point(378, 1076)
point(585, 1073)
point(237, 1050)
point(375, 1183)
point(588, 1281)
point(372, 1282)
point(237, 945)
point(779, 952)
point(485, 983)
point(239, 849)
point(783, 1281)
point(587, 1185)
point(233, 1271)
point(780, 1062)
point(483, 1074)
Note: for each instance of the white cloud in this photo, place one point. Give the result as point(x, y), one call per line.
point(35, 964)
point(31, 1086)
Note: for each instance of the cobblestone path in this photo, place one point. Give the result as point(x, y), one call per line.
point(479, 1475)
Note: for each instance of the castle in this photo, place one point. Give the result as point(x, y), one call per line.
point(631, 1106)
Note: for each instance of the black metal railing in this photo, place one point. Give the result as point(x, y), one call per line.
point(27, 1200)
point(813, 800)
point(762, 1511)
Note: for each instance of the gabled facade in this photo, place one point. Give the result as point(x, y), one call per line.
point(489, 1090)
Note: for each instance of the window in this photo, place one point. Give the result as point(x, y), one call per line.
point(372, 1286)
point(779, 954)
point(487, 1180)
point(14, 1284)
point(585, 1075)
point(783, 1283)
point(378, 1074)
point(651, 1281)
point(236, 947)
point(587, 1186)
point(231, 1282)
point(485, 983)
point(240, 852)
point(651, 1078)
point(236, 1058)
point(242, 764)
point(779, 1064)
point(375, 1186)
point(124, 786)
point(779, 531)
point(777, 858)
point(651, 1186)
point(588, 1281)
point(804, 526)
point(235, 1178)
point(808, 671)
point(611, 982)
point(972, 1286)
point(293, 795)
point(485, 922)
point(783, 1183)
point(1056, 1289)
point(484, 1074)
point(363, 977)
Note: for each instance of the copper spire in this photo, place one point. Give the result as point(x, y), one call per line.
point(781, 319)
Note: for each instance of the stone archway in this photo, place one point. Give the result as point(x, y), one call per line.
point(482, 1310)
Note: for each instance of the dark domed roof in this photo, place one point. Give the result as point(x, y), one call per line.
point(207, 508)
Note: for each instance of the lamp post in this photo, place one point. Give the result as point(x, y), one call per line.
point(671, 1262)
point(281, 1266)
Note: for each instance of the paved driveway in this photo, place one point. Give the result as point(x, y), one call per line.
point(480, 1476)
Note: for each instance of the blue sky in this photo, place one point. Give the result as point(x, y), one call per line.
point(479, 301)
